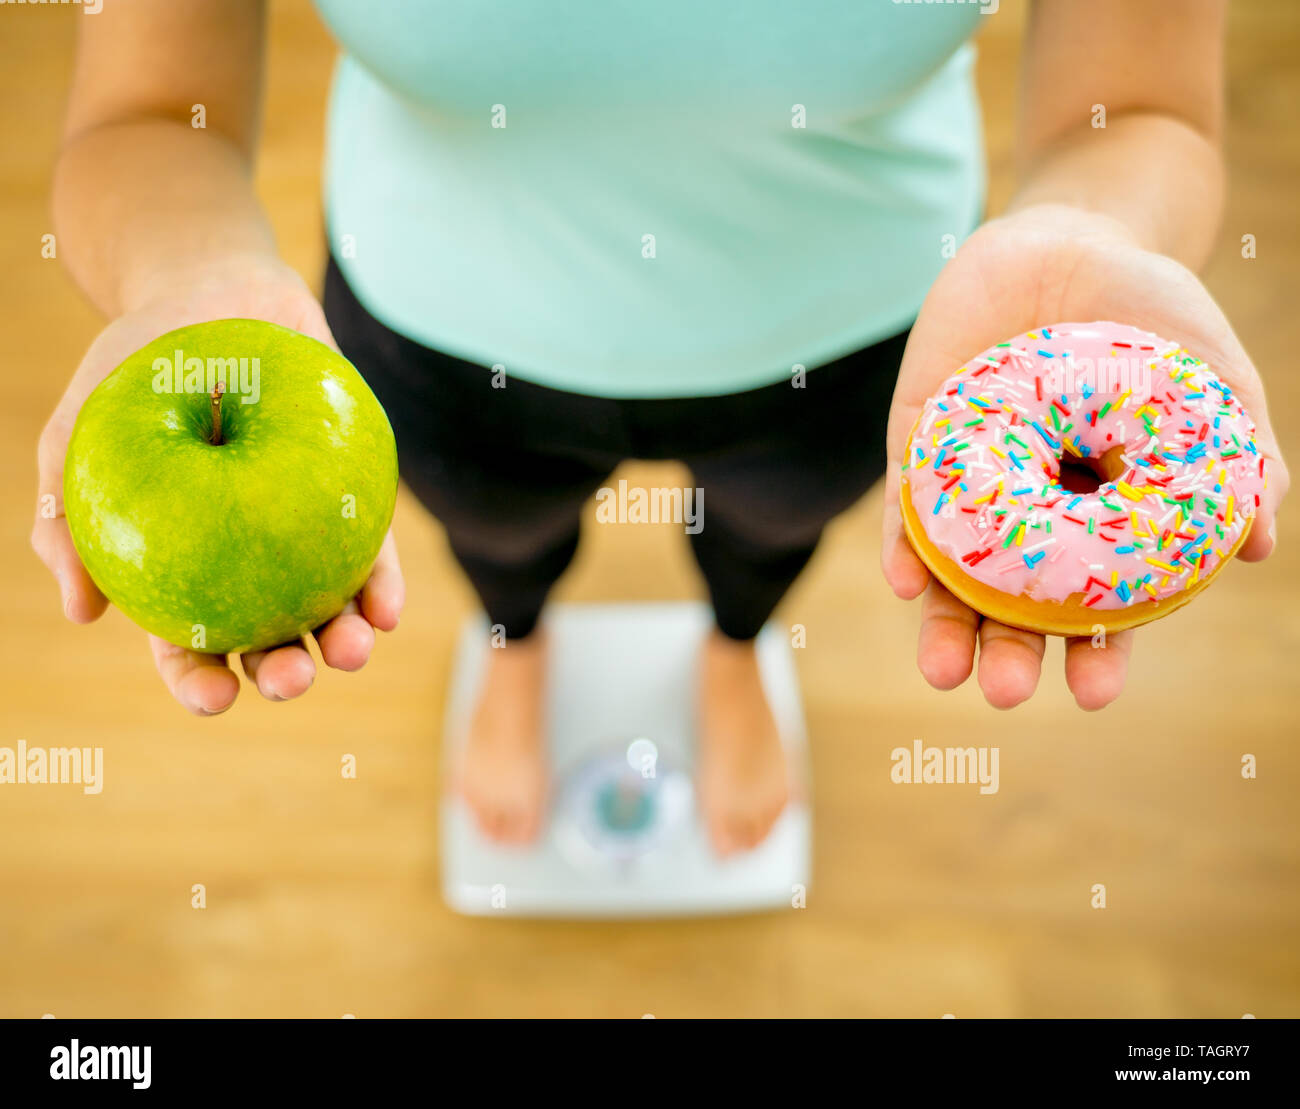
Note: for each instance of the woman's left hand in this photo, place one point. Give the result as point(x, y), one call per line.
point(1038, 267)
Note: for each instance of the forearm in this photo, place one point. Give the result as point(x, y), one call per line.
point(141, 203)
point(1154, 174)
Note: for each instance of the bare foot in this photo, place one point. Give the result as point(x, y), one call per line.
point(743, 774)
point(502, 773)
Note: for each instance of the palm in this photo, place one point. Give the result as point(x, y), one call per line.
point(206, 684)
point(1014, 275)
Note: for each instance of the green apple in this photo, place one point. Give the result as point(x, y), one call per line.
point(229, 485)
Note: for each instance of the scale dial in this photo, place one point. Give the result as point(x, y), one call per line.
point(612, 816)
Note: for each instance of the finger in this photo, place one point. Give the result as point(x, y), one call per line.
point(1095, 674)
point(1010, 662)
point(82, 600)
point(281, 673)
point(384, 593)
point(945, 648)
point(1262, 539)
point(51, 540)
point(204, 684)
point(905, 572)
point(347, 640)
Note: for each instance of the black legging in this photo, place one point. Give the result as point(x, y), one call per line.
point(507, 471)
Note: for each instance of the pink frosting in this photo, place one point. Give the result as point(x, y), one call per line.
point(984, 461)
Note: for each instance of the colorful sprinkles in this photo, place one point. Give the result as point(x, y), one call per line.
point(1181, 472)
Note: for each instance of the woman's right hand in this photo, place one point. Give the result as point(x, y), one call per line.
point(255, 288)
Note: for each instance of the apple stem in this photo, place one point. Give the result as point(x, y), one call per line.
point(215, 438)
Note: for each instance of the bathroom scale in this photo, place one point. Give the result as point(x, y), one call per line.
point(623, 837)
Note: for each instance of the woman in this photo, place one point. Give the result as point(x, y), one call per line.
point(674, 230)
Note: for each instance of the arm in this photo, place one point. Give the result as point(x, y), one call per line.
point(1103, 226)
point(141, 197)
point(159, 224)
point(1157, 70)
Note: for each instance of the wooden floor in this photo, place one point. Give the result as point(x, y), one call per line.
point(322, 894)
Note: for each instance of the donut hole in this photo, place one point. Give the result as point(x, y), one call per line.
point(1079, 477)
point(1087, 475)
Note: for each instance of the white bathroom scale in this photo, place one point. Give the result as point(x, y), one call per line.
point(623, 837)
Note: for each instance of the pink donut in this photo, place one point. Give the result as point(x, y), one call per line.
point(993, 485)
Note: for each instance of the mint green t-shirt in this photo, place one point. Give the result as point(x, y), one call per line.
point(649, 199)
